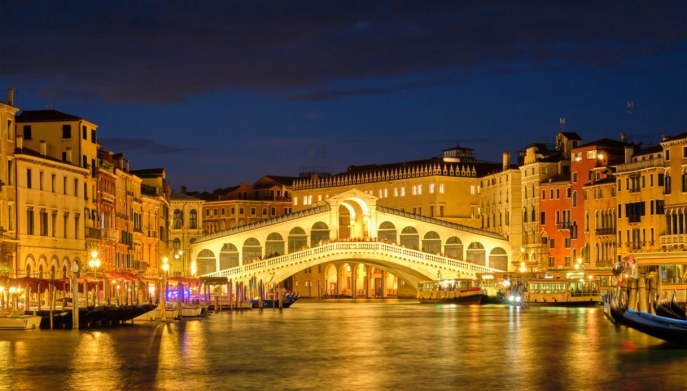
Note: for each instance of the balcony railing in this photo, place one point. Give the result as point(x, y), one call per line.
point(93, 233)
point(564, 225)
point(605, 231)
point(673, 239)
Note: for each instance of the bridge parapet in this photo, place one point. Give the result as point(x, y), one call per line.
point(281, 267)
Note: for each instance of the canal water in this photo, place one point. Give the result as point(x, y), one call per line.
point(346, 345)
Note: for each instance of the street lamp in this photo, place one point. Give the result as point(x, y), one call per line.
point(163, 304)
point(179, 256)
point(94, 264)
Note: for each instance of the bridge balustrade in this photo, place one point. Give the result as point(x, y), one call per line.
point(391, 250)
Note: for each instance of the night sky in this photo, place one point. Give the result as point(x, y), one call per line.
point(220, 93)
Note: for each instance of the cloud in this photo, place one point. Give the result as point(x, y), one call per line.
point(132, 51)
point(140, 145)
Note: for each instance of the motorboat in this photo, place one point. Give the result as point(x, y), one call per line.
point(14, 321)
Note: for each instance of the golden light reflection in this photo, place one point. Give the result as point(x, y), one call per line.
point(95, 363)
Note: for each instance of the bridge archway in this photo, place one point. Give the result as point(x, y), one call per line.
point(409, 246)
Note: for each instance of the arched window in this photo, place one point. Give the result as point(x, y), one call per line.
point(454, 248)
point(194, 219)
point(178, 219)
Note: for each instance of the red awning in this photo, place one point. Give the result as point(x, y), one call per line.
point(37, 283)
point(122, 276)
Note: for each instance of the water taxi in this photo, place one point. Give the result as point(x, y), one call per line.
point(562, 292)
point(457, 290)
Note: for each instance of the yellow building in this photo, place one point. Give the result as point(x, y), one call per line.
point(445, 188)
point(154, 221)
point(186, 225)
point(651, 193)
point(501, 203)
point(72, 140)
point(128, 208)
point(8, 233)
point(600, 223)
point(50, 214)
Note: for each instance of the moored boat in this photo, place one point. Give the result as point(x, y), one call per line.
point(287, 301)
point(15, 321)
point(666, 328)
point(571, 292)
point(456, 291)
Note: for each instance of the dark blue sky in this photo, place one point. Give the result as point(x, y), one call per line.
point(220, 93)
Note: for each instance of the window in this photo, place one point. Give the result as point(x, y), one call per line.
point(252, 211)
point(542, 217)
point(66, 131)
point(684, 152)
point(29, 221)
point(667, 154)
point(574, 177)
point(194, 218)
point(27, 132)
point(93, 140)
point(28, 178)
point(84, 133)
point(543, 194)
point(558, 194)
point(43, 217)
point(552, 243)
point(40, 180)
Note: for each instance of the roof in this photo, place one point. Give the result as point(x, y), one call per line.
point(149, 172)
point(605, 142)
point(45, 116)
point(678, 137)
point(481, 167)
point(648, 150)
point(183, 196)
point(571, 135)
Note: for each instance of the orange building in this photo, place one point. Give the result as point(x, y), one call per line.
point(590, 162)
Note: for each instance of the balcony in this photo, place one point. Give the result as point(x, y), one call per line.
point(564, 225)
point(675, 239)
point(93, 233)
point(605, 231)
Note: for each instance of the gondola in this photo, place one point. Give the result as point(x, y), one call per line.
point(663, 327)
point(287, 301)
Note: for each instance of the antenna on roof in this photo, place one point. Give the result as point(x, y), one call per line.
point(561, 121)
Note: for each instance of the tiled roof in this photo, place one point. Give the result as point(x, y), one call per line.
point(45, 116)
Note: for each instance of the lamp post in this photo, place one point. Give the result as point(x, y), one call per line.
point(94, 264)
point(163, 304)
point(179, 256)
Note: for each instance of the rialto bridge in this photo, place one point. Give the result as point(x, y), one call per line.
point(350, 229)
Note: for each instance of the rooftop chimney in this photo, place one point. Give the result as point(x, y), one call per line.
point(506, 160)
point(10, 96)
point(623, 137)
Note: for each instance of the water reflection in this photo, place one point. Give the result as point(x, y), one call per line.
point(345, 345)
